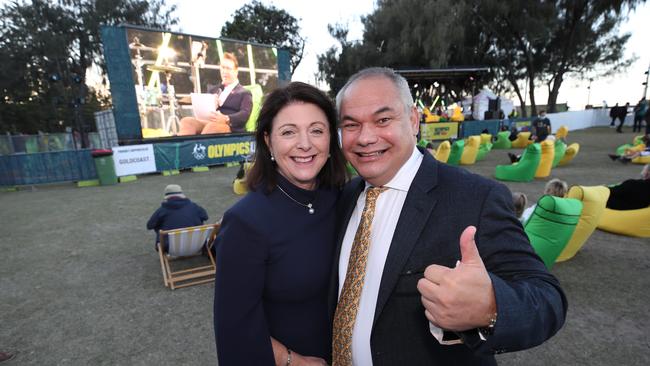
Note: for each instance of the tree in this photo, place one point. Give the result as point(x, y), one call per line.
point(398, 34)
point(529, 41)
point(256, 22)
point(50, 46)
point(585, 36)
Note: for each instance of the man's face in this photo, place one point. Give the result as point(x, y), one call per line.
point(378, 132)
point(228, 71)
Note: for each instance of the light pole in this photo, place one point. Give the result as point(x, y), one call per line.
point(589, 91)
point(645, 89)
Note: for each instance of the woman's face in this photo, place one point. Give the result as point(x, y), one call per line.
point(300, 142)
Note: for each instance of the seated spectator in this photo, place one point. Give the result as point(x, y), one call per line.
point(632, 194)
point(631, 154)
point(175, 212)
point(554, 187)
point(515, 158)
point(513, 133)
point(520, 201)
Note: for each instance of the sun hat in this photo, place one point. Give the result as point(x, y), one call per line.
point(174, 190)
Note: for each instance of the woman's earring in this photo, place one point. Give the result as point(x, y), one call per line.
point(272, 158)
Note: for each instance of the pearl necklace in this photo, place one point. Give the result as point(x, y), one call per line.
point(308, 205)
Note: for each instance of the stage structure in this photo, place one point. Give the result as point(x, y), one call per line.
point(155, 75)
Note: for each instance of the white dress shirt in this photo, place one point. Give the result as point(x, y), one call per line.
point(226, 92)
point(387, 212)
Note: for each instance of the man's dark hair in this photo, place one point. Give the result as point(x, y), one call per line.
point(333, 173)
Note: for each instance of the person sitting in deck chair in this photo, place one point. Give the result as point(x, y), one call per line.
point(176, 211)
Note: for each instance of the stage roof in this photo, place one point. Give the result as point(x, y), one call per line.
point(443, 74)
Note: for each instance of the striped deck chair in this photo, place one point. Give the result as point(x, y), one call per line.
point(184, 243)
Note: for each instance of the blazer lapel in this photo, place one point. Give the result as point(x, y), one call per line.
point(417, 208)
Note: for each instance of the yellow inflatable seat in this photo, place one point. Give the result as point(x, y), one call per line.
point(443, 151)
point(562, 132)
point(570, 153)
point(486, 138)
point(593, 200)
point(470, 150)
point(239, 186)
point(546, 162)
point(522, 140)
point(626, 222)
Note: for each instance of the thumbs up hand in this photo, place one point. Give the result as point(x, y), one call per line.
point(459, 298)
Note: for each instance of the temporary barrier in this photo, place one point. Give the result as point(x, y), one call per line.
point(47, 167)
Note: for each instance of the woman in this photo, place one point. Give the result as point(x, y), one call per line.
point(275, 246)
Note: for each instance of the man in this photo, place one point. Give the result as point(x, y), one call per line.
point(439, 249)
point(639, 113)
point(622, 112)
point(175, 212)
point(234, 104)
point(613, 114)
point(632, 194)
point(541, 127)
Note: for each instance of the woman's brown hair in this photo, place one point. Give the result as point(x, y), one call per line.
point(333, 173)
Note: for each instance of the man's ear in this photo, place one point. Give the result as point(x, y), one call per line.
point(414, 119)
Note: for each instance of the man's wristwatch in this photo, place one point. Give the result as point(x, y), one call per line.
point(489, 329)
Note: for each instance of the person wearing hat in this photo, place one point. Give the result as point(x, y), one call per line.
point(176, 211)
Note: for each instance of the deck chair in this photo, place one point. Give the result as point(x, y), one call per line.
point(184, 243)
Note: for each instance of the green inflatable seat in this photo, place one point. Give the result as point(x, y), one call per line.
point(483, 150)
point(524, 170)
point(258, 94)
point(560, 150)
point(503, 141)
point(456, 152)
point(551, 225)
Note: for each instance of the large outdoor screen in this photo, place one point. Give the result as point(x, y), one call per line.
point(174, 76)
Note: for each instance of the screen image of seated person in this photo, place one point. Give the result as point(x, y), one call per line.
point(233, 104)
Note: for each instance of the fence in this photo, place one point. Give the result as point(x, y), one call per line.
point(45, 142)
point(46, 167)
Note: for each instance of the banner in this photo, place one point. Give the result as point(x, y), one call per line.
point(438, 131)
point(523, 125)
point(134, 159)
point(204, 152)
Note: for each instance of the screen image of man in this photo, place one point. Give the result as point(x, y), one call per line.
point(233, 104)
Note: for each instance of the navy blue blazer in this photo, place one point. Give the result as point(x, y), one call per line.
point(441, 202)
point(237, 106)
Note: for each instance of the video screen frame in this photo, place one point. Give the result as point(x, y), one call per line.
point(153, 72)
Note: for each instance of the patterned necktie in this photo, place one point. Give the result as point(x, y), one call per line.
point(346, 311)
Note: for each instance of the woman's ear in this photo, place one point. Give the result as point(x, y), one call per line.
point(267, 140)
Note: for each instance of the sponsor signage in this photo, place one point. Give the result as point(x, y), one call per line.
point(187, 154)
point(134, 159)
point(439, 131)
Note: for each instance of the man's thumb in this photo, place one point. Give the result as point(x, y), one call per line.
point(468, 251)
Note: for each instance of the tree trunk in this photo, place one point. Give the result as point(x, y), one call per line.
point(531, 94)
point(522, 103)
point(554, 90)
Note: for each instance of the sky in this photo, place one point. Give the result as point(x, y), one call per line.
point(205, 17)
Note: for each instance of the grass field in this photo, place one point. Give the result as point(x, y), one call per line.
point(80, 282)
